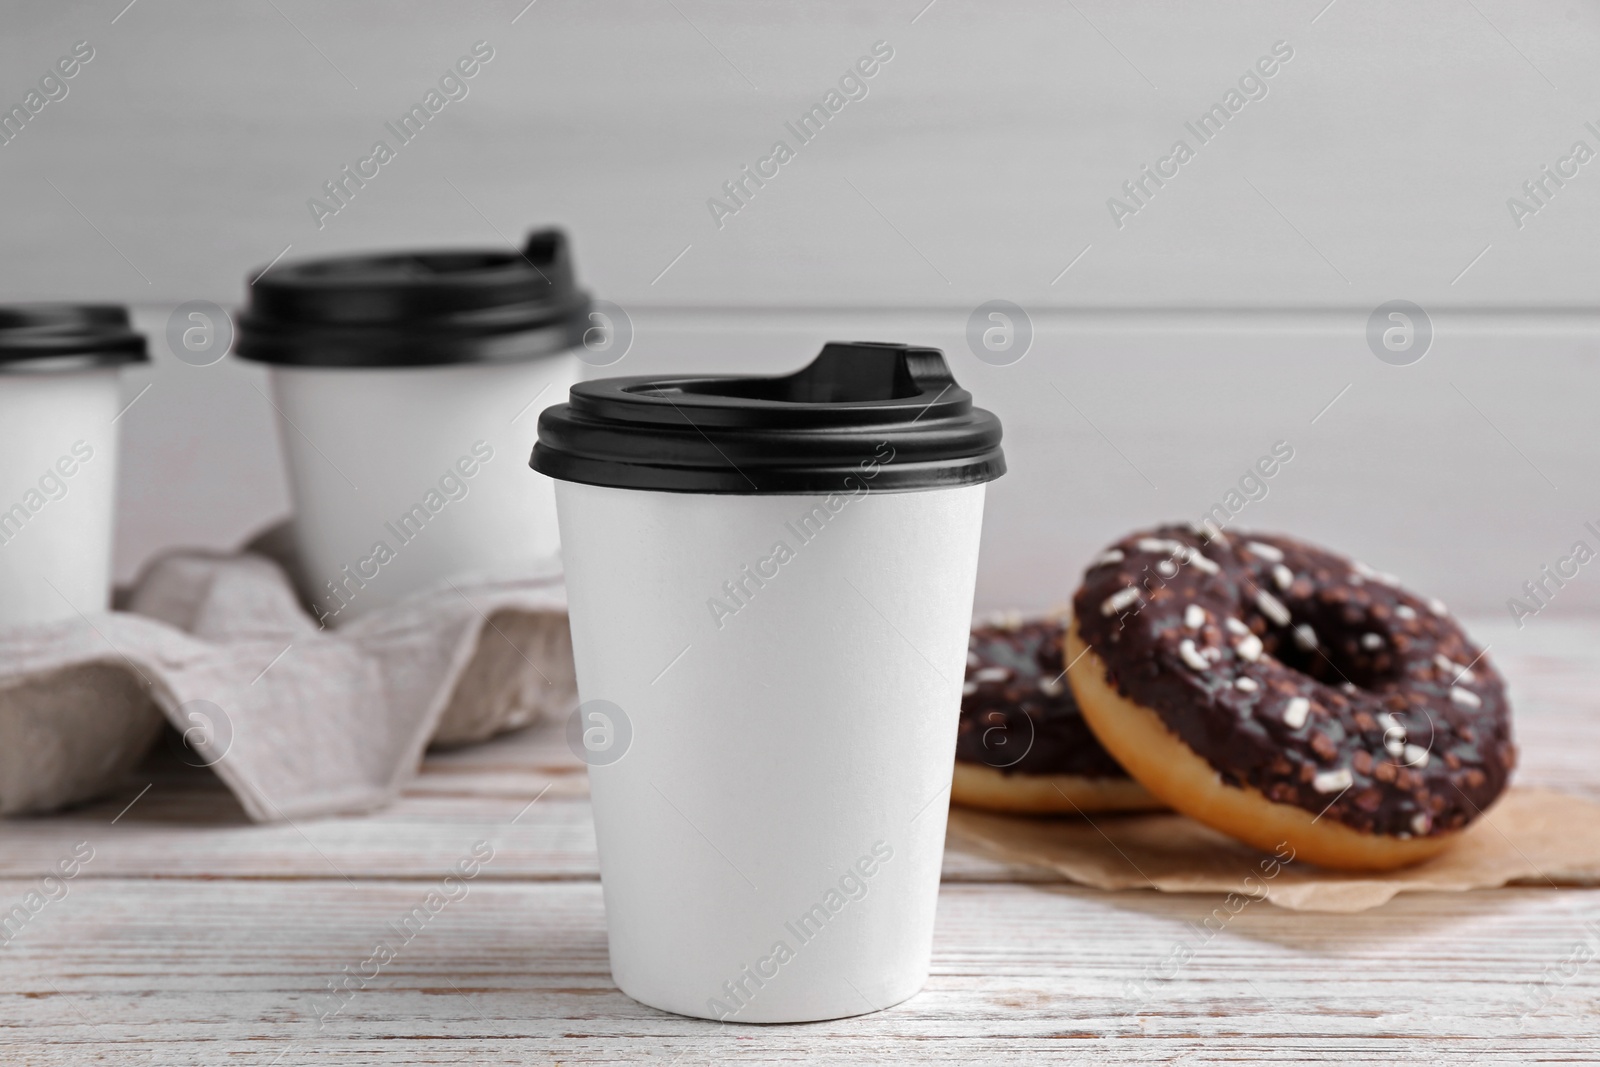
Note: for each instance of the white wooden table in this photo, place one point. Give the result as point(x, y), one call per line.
point(193, 936)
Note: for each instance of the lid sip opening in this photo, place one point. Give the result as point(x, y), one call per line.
point(793, 434)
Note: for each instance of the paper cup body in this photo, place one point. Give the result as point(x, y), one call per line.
point(788, 671)
point(403, 477)
point(58, 494)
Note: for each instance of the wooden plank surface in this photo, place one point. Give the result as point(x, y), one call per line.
point(193, 936)
point(144, 971)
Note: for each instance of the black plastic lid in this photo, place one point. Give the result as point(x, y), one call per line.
point(888, 417)
point(63, 337)
point(417, 309)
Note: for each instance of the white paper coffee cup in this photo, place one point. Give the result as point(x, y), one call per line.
point(771, 681)
point(403, 478)
point(60, 397)
point(408, 388)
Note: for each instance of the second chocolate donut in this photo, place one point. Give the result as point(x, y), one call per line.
point(1023, 745)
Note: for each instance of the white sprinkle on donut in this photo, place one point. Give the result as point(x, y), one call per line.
point(1333, 781)
point(1436, 606)
point(1201, 563)
point(1051, 687)
point(1194, 616)
point(1109, 557)
point(1371, 642)
point(1190, 655)
point(992, 674)
point(1465, 697)
point(1456, 672)
point(1295, 712)
point(1272, 608)
point(1405, 611)
point(1416, 756)
point(1161, 544)
point(1166, 568)
point(1246, 685)
point(1388, 579)
point(1236, 627)
point(969, 688)
point(1394, 734)
point(1362, 569)
point(1122, 598)
point(972, 659)
point(1282, 575)
point(1270, 553)
point(1421, 823)
point(1305, 636)
point(1249, 647)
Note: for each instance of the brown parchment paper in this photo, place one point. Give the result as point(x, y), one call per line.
point(1531, 836)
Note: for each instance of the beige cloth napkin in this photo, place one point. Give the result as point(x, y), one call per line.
point(298, 721)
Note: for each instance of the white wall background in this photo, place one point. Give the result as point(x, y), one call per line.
point(1219, 319)
point(990, 143)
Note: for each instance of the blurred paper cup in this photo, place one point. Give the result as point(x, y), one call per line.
point(408, 387)
point(770, 585)
point(60, 397)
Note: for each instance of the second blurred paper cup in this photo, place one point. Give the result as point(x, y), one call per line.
point(60, 399)
point(409, 386)
point(770, 585)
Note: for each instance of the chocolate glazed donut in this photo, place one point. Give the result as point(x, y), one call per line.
point(1022, 745)
point(1276, 691)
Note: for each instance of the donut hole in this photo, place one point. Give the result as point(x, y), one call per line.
point(1344, 650)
